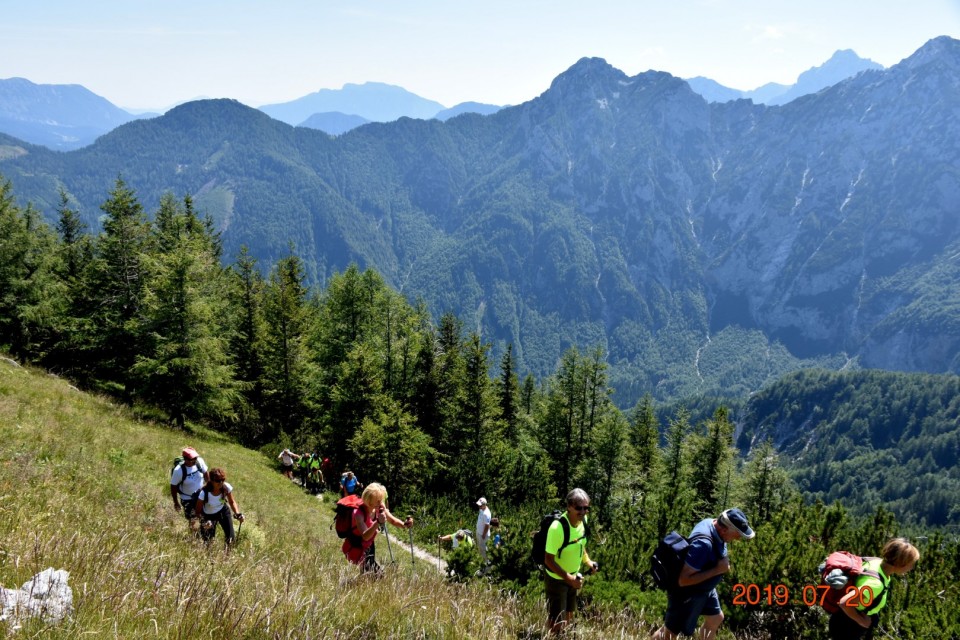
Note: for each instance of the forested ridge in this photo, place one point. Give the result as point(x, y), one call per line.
point(708, 248)
point(146, 310)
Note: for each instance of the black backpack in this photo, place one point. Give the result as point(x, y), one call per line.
point(668, 559)
point(540, 537)
point(178, 461)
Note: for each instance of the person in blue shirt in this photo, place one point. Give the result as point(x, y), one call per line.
point(349, 484)
point(706, 563)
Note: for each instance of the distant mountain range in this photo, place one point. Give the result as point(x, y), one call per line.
point(841, 65)
point(65, 117)
point(707, 247)
point(59, 117)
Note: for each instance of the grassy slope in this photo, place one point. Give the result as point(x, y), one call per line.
point(84, 488)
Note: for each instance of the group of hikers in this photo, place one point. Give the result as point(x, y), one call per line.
point(312, 470)
point(486, 538)
point(206, 497)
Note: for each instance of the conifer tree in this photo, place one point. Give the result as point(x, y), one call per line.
point(508, 394)
point(183, 367)
point(713, 452)
point(644, 437)
point(560, 425)
point(767, 485)
point(288, 317)
point(675, 504)
point(387, 445)
point(32, 300)
point(70, 351)
point(605, 466)
point(117, 280)
point(528, 394)
point(246, 291)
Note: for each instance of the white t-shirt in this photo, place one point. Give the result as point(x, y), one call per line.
point(286, 458)
point(211, 503)
point(194, 479)
point(483, 520)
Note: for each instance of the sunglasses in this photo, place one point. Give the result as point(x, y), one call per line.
point(216, 481)
point(582, 508)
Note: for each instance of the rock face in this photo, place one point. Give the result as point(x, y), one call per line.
point(46, 595)
point(706, 247)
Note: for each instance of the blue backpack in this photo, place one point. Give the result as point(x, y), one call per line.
point(668, 559)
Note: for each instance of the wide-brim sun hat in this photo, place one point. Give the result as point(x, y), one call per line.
point(735, 519)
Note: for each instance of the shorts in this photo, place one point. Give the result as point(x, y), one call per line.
point(189, 508)
point(561, 598)
point(683, 611)
point(286, 467)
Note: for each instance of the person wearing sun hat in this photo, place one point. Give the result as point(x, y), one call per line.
point(186, 479)
point(706, 563)
point(483, 531)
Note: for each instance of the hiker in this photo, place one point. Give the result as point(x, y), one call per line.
point(303, 468)
point(483, 531)
point(326, 468)
point(851, 622)
point(458, 537)
point(186, 479)
point(349, 485)
point(216, 505)
point(314, 477)
point(287, 458)
point(367, 519)
point(562, 580)
point(703, 570)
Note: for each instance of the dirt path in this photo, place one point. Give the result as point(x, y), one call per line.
point(401, 549)
point(401, 553)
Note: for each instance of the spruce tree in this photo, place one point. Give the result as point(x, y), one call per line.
point(183, 367)
point(116, 284)
point(288, 317)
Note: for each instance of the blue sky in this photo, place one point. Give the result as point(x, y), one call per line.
point(151, 54)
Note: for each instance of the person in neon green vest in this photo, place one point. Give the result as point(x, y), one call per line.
point(860, 607)
point(563, 579)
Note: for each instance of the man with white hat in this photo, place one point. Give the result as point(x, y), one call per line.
point(483, 530)
point(186, 479)
point(703, 570)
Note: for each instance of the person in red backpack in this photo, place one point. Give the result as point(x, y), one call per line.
point(860, 607)
point(366, 523)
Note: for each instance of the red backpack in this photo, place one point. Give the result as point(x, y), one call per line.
point(343, 518)
point(840, 569)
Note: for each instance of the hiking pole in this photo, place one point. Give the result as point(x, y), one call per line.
point(410, 520)
point(389, 548)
